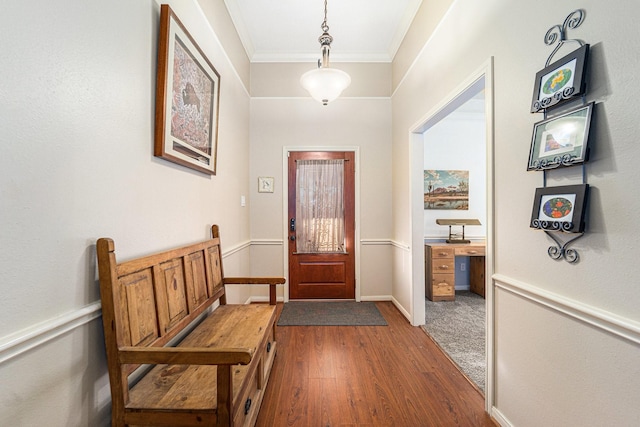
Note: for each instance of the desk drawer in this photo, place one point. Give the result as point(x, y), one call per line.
point(438, 252)
point(443, 285)
point(443, 265)
point(470, 251)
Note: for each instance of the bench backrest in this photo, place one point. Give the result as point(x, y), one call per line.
point(148, 301)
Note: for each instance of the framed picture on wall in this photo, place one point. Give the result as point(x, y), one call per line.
point(562, 80)
point(560, 208)
point(446, 189)
point(561, 140)
point(187, 99)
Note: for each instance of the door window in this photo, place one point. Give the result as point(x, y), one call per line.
point(320, 206)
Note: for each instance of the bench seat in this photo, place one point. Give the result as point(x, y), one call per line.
point(217, 372)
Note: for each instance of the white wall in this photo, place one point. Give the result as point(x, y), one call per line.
point(566, 336)
point(78, 91)
point(363, 123)
point(457, 142)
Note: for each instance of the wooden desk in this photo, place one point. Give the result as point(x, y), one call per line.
point(440, 269)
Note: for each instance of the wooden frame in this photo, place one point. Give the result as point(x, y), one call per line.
point(560, 208)
point(561, 140)
point(560, 81)
point(187, 99)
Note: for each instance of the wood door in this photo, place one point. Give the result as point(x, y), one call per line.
point(322, 275)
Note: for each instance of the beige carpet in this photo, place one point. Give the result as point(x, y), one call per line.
point(459, 329)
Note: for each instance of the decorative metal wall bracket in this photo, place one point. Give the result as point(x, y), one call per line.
point(559, 32)
point(562, 250)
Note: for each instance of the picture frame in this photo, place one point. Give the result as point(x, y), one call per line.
point(187, 99)
point(562, 80)
point(265, 184)
point(562, 140)
point(560, 208)
point(446, 189)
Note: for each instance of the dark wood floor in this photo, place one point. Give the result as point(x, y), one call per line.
point(367, 376)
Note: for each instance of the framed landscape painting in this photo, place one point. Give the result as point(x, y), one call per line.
point(446, 189)
point(187, 99)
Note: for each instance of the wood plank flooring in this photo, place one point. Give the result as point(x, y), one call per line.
point(367, 376)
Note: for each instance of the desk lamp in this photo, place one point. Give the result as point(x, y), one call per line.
point(455, 238)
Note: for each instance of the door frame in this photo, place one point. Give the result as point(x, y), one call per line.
point(485, 73)
point(285, 209)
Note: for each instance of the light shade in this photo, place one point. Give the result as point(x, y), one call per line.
point(325, 84)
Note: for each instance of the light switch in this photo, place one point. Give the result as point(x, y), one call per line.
point(243, 201)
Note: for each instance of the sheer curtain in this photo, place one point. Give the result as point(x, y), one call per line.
point(320, 206)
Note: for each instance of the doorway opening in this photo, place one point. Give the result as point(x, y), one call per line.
point(474, 96)
point(455, 169)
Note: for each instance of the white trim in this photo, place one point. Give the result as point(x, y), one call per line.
point(401, 309)
point(619, 326)
point(373, 242)
point(235, 249)
point(43, 332)
point(236, 18)
point(267, 242)
point(422, 50)
point(500, 418)
point(368, 98)
point(39, 334)
point(482, 77)
point(377, 298)
point(401, 245)
point(224, 51)
point(261, 299)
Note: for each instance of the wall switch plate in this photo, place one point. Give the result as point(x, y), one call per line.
point(463, 266)
point(243, 201)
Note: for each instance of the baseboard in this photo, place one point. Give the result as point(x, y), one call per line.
point(499, 417)
point(376, 298)
point(400, 308)
point(260, 299)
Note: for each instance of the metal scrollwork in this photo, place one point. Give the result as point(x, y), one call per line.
point(565, 160)
point(552, 225)
point(562, 249)
point(558, 33)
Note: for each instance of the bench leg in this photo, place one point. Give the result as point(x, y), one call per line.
point(225, 395)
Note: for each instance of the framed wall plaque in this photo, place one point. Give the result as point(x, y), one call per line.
point(560, 81)
point(187, 99)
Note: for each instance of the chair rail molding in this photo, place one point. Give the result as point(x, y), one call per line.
point(616, 325)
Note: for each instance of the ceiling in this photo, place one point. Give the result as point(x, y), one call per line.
point(288, 30)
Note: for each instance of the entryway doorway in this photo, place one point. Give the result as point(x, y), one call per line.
point(321, 225)
point(481, 80)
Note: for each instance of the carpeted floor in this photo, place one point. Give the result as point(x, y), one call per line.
point(459, 328)
point(333, 313)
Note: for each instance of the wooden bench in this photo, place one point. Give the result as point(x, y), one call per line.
point(217, 372)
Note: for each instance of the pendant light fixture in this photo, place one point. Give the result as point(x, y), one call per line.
point(324, 83)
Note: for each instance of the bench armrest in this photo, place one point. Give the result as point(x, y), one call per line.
point(185, 355)
point(271, 281)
